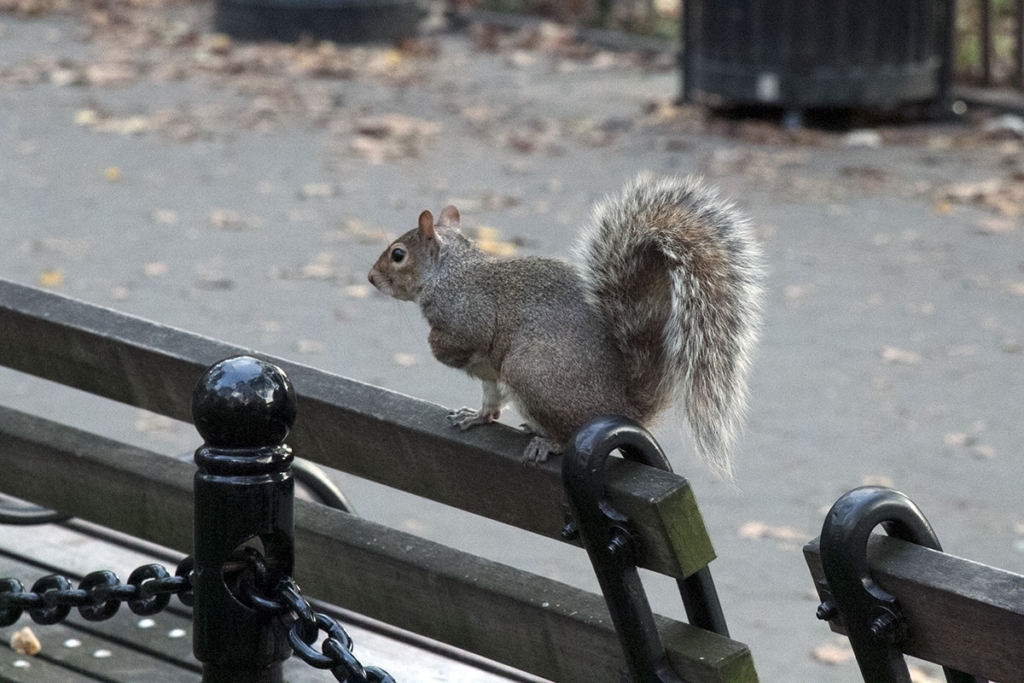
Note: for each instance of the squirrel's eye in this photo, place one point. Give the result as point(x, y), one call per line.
point(397, 254)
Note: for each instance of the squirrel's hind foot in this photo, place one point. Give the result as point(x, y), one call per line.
point(464, 418)
point(540, 448)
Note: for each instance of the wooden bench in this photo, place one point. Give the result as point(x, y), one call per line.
point(519, 619)
point(965, 616)
point(158, 649)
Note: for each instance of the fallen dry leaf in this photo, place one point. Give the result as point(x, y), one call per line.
point(833, 654)
point(489, 240)
point(33, 8)
point(760, 530)
point(995, 226)
point(111, 74)
point(406, 360)
point(51, 278)
point(1011, 346)
point(983, 451)
point(958, 439)
point(357, 291)
point(227, 219)
point(87, 117)
point(392, 137)
point(322, 267)
point(317, 271)
point(361, 232)
point(797, 292)
point(965, 193)
point(154, 425)
point(919, 675)
point(24, 642)
point(309, 346)
point(132, 125)
point(155, 269)
point(1004, 196)
point(164, 217)
point(892, 354)
point(876, 480)
point(318, 190)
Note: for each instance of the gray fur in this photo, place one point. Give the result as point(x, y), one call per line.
point(710, 326)
point(663, 304)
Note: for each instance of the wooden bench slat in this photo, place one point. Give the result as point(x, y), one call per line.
point(126, 662)
point(39, 669)
point(962, 613)
point(376, 434)
point(45, 550)
point(544, 627)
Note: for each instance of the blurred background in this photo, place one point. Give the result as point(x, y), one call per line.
point(241, 188)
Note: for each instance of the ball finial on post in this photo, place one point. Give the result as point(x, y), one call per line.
point(243, 408)
point(243, 402)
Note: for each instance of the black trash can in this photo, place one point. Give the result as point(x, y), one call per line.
point(341, 21)
point(802, 54)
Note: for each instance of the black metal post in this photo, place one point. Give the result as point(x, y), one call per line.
point(1018, 45)
point(948, 49)
point(986, 42)
point(687, 36)
point(244, 499)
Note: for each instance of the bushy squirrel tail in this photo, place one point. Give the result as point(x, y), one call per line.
point(676, 272)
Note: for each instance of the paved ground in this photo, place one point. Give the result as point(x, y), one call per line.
point(244, 192)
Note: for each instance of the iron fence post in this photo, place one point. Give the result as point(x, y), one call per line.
point(687, 35)
point(244, 499)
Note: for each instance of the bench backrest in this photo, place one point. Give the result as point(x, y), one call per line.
point(898, 593)
point(529, 622)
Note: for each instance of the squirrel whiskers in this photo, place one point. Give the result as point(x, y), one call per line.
point(663, 305)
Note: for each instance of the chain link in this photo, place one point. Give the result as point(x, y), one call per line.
point(99, 595)
point(149, 589)
point(336, 650)
point(304, 625)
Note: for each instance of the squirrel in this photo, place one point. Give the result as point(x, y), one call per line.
point(662, 304)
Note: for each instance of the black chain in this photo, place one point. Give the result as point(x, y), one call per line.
point(149, 589)
point(284, 599)
point(99, 595)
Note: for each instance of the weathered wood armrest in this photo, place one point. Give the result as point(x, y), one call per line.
point(961, 614)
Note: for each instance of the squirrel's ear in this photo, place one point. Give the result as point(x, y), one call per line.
point(428, 234)
point(427, 225)
point(449, 217)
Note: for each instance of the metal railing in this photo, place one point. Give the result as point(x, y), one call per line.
point(991, 43)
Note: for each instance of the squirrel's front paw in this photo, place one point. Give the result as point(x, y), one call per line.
point(464, 418)
point(540, 448)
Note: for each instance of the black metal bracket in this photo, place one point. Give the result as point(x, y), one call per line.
point(606, 536)
point(313, 478)
point(872, 617)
